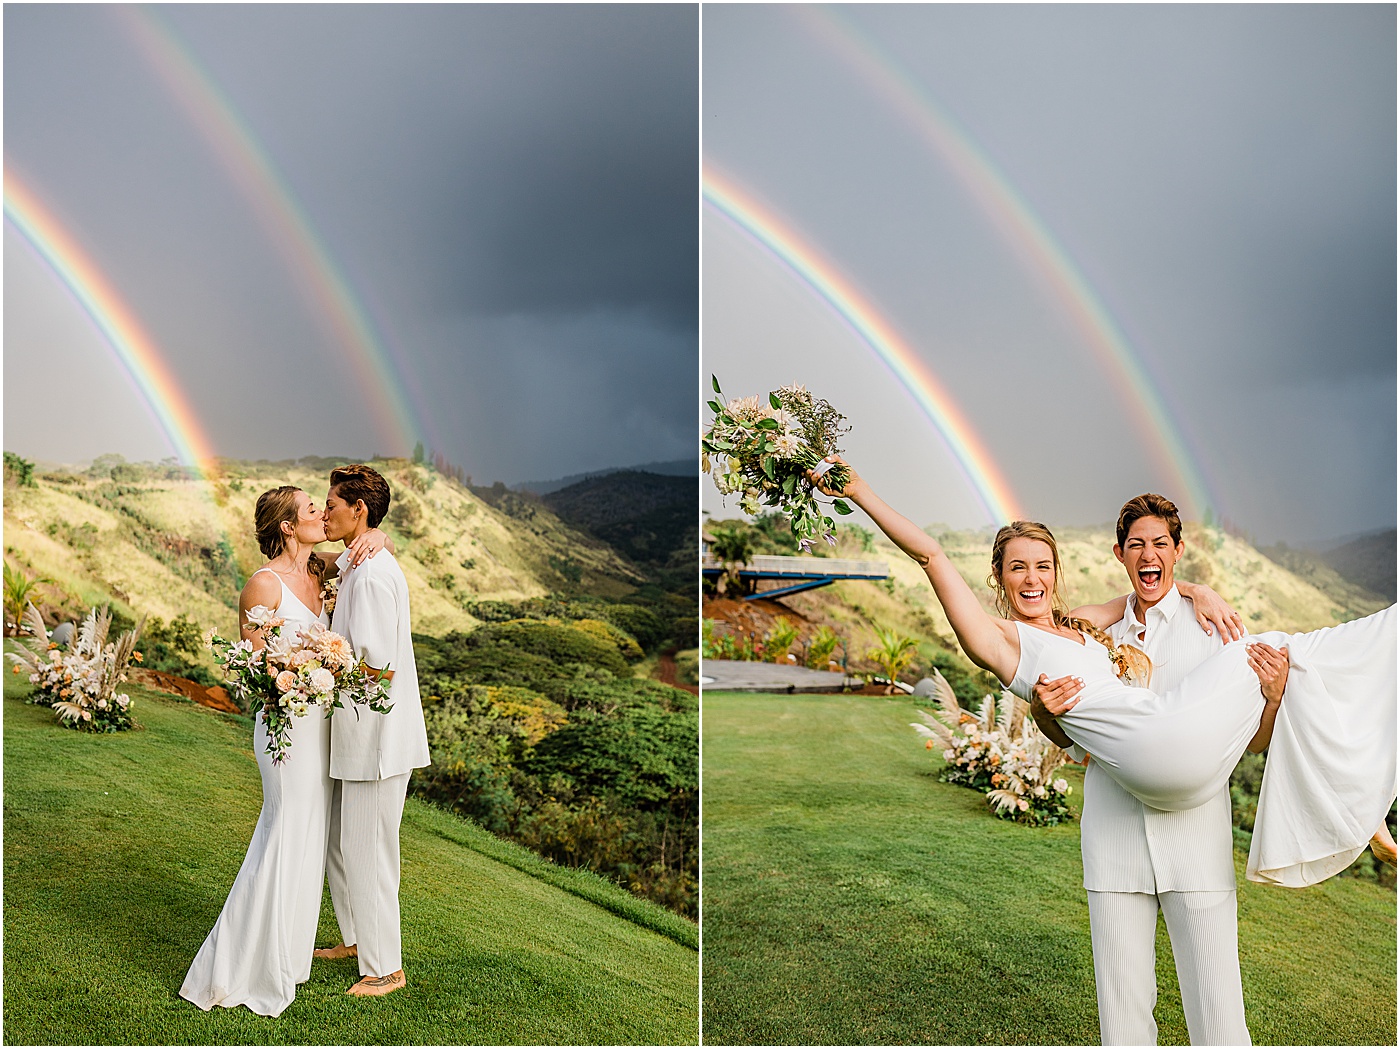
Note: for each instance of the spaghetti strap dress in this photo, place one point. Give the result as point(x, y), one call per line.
point(260, 946)
point(1329, 779)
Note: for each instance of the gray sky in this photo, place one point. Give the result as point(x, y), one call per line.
point(1224, 177)
point(510, 192)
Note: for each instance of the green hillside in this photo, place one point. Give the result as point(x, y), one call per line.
point(152, 541)
point(119, 851)
point(851, 898)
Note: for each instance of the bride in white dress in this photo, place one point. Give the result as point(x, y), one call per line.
point(260, 946)
point(1330, 777)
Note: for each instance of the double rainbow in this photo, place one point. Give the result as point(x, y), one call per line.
point(1012, 214)
point(766, 229)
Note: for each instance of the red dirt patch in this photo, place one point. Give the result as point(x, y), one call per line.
point(666, 673)
point(216, 698)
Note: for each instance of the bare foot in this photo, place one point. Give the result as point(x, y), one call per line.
point(376, 986)
point(332, 954)
point(1383, 846)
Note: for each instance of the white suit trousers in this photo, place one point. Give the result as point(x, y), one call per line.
point(362, 866)
point(1202, 926)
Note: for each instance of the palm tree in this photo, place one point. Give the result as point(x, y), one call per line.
point(732, 546)
point(18, 590)
point(892, 655)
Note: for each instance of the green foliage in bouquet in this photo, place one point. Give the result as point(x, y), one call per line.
point(767, 446)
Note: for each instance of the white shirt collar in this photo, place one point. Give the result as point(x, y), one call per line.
point(1170, 602)
point(343, 560)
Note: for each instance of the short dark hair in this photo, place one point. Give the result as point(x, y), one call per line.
point(353, 483)
point(1149, 505)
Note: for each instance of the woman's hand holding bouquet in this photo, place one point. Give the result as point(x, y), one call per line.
point(764, 449)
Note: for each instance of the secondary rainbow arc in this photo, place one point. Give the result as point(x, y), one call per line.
point(251, 168)
point(762, 226)
point(1030, 236)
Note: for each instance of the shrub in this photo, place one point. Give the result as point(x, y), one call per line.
point(475, 733)
point(645, 625)
point(778, 640)
point(559, 643)
point(625, 643)
point(645, 758)
point(821, 648)
point(688, 666)
point(19, 471)
point(892, 655)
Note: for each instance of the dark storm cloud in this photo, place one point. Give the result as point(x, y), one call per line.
point(541, 158)
point(1223, 176)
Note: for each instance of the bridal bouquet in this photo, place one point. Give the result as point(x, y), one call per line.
point(763, 448)
point(292, 673)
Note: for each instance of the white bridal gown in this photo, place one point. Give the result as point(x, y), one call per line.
point(260, 948)
point(1329, 779)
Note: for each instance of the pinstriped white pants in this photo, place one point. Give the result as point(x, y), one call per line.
point(362, 866)
point(1203, 927)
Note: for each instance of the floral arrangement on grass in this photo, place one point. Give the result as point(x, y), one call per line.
point(291, 673)
point(761, 449)
point(79, 683)
point(1000, 753)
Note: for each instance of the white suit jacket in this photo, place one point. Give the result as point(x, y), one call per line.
point(371, 612)
point(1127, 846)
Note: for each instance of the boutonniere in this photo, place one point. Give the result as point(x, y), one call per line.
point(330, 589)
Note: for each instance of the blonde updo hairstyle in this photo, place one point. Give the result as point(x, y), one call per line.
point(276, 507)
point(1132, 663)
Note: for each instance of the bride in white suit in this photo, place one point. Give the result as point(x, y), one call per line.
point(371, 757)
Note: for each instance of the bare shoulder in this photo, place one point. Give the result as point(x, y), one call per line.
point(1008, 631)
point(262, 588)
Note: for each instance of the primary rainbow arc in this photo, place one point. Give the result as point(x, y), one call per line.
point(132, 347)
point(779, 241)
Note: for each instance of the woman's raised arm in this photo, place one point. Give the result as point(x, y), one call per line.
point(989, 642)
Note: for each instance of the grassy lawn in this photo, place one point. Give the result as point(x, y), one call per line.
point(120, 849)
point(850, 897)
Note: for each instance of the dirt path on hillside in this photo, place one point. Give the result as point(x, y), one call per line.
point(666, 671)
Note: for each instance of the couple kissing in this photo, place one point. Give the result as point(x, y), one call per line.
point(333, 803)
